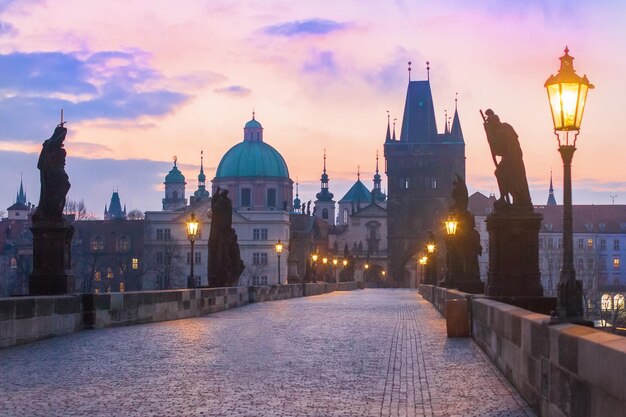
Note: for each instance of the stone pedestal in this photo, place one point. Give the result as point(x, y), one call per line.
point(514, 254)
point(51, 260)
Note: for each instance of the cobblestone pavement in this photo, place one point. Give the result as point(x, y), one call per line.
point(360, 353)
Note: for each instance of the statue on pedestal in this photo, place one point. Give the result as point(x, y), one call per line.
point(225, 265)
point(510, 172)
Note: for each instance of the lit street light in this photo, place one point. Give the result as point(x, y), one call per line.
point(279, 250)
point(567, 94)
point(193, 226)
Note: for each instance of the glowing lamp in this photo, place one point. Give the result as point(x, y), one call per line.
point(451, 225)
point(567, 94)
point(279, 247)
point(430, 247)
point(192, 227)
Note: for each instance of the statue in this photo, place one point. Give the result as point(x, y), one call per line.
point(460, 195)
point(510, 172)
point(225, 264)
point(54, 180)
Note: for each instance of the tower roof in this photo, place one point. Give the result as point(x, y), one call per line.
point(551, 199)
point(418, 121)
point(174, 175)
point(456, 132)
point(115, 208)
point(21, 195)
point(358, 193)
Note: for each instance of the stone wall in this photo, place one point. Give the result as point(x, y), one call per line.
point(27, 319)
point(438, 296)
point(562, 370)
point(122, 309)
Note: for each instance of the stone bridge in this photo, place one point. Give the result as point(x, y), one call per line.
point(345, 353)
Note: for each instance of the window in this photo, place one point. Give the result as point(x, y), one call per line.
point(245, 197)
point(618, 302)
point(262, 280)
point(198, 258)
point(122, 287)
point(581, 264)
point(590, 243)
point(602, 244)
point(405, 183)
point(110, 273)
point(159, 258)
point(548, 227)
point(123, 245)
point(325, 214)
point(345, 215)
point(174, 195)
point(97, 244)
point(166, 234)
point(605, 303)
point(163, 234)
point(602, 227)
point(616, 263)
point(271, 197)
point(259, 258)
point(259, 234)
point(589, 264)
point(13, 263)
point(97, 276)
point(550, 243)
point(135, 263)
point(581, 243)
point(560, 243)
point(159, 234)
point(122, 269)
point(616, 244)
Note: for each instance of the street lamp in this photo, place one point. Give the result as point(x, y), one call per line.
point(279, 250)
point(314, 257)
point(567, 95)
point(451, 226)
point(192, 232)
point(423, 261)
point(335, 262)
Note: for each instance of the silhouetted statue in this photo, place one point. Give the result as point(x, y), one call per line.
point(225, 264)
point(510, 171)
point(308, 208)
point(459, 194)
point(54, 180)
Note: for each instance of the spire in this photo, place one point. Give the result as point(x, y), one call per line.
point(551, 199)
point(358, 172)
point(409, 71)
point(394, 130)
point(324, 194)
point(428, 70)
point(21, 195)
point(445, 122)
point(296, 201)
point(388, 137)
point(377, 193)
point(201, 193)
point(455, 131)
point(418, 120)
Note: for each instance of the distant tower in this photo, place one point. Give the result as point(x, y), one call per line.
point(551, 199)
point(297, 203)
point(420, 168)
point(115, 211)
point(21, 195)
point(201, 193)
point(325, 205)
point(379, 196)
point(174, 189)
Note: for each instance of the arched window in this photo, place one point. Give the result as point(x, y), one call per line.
point(174, 195)
point(605, 303)
point(618, 302)
point(325, 214)
point(97, 244)
point(123, 244)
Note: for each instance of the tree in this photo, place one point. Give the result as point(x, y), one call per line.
point(164, 261)
point(135, 214)
point(78, 209)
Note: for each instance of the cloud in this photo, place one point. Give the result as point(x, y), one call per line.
point(321, 62)
point(234, 90)
point(7, 29)
point(305, 27)
point(109, 85)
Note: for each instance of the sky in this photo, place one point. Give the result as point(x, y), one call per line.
point(141, 82)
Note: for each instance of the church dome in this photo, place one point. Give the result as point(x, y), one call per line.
point(175, 175)
point(252, 157)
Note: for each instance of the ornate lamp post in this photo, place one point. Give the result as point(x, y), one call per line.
point(567, 94)
point(431, 270)
point(366, 268)
point(325, 263)
point(279, 250)
point(314, 266)
point(452, 255)
point(423, 261)
point(335, 262)
point(193, 226)
point(451, 225)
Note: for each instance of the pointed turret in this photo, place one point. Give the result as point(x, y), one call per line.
point(324, 194)
point(21, 195)
point(551, 199)
point(456, 132)
point(418, 122)
point(393, 138)
point(297, 204)
point(325, 205)
point(115, 211)
point(445, 122)
point(377, 192)
point(388, 136)
point(201, 193)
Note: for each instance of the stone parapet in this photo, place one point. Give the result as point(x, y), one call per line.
point(263, 293)
point(562, 370)
point(28, 319)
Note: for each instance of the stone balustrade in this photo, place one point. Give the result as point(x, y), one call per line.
point(562, 370)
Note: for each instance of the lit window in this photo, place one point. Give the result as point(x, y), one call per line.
point(135, 263)
point(618, 302)
point(615, 263)
point(123, 245)
point(605, 302)
point(13, 263)
point(122, 287)
point(590, 243)
point(109, 273)
point(97, 276)
point(97, 244)
point(96, 291)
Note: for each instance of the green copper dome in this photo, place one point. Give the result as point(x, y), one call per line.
point(252, 159)
point(175, 175)
point(253, 124)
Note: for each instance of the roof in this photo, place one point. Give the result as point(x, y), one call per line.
point(175, 175)
point(253, 124)
point(587, 218)
point(252, 159)
point(18, 206)
point(418, 121)
point(480, 205)
point(357, 193)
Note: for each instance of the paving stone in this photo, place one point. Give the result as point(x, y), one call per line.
point(361, 353)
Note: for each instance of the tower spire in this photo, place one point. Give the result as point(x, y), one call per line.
point(324, 160)
point(409, 71)
point(551, 199)
point(388, 137)
point(428, 70)
point(394, 129)
point(358, 172)
point(445, 122)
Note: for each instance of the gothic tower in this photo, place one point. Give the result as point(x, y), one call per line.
point(420, 167)
point(174, 189)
